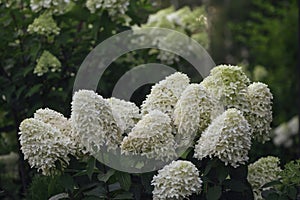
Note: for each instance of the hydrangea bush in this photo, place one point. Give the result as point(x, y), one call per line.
point(208, 128)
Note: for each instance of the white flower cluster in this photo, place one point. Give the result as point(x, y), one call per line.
point(184, 20)
point(228, 137)
point(54, 6)
point(262, 171)
point(284, 132)
point(93, 122)
point(151, 137)
point(260, 111)
point(57, 120)
point(47, 62)
point(165, 94)
point(192, 112)
point(44, 142)
point(125, 113)
point(228, 84)
point(44, 25)
point(114, 7)
point(178, 180)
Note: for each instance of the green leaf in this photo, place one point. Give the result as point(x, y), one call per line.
point(239, 173)
point(272, 183)
point(123, 196)
point(214, 193)
point(105, 177)
point(146, 181)
point(186, 153)
point(272, 196)
point(124, 179)
point(222, 173)
point(208, 168)
point(98, 191)
point(35, 89)
point(292, 192)
point(92, 198)
point(90, 167)
point(67, 182)
point(235, 185)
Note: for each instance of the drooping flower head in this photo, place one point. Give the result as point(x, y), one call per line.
point(228, 84)
point(151, 137)
point(125, 113)
point(57, 120)
point(47, 62)
point(228, 137)
point(260, 110)
point(178, 180)
point(192, 112)
point(44, 145)
point(44, 25)
point(165, 94)
point(262, 171)
point(93, 122)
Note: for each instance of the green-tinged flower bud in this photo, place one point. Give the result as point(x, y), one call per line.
point(47, 62)
point(261, 172)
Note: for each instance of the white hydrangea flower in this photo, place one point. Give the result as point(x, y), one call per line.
point(125, 113)
point(44, 25)
point(54, 6)
point(192, 112)
point(114, 7)
point(228, 137)
point(178, 180)
point(228, 84)
point(284, 132)
point(262, 171)
point(260, 111)
point(165, 94)
point(43, 145)
point(45, 62)
point(151, 137)
point(92, 121)
point(60, 122)
point(191, 22)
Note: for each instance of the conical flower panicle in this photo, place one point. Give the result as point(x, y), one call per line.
point(260, 112)
point(151, 137)
point(228, 137)
point(165, 94)
point(93, 122)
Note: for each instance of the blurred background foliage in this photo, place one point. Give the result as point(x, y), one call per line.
point(262, 36)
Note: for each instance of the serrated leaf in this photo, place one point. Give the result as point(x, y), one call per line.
point(105, 177)
point(124, 179)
